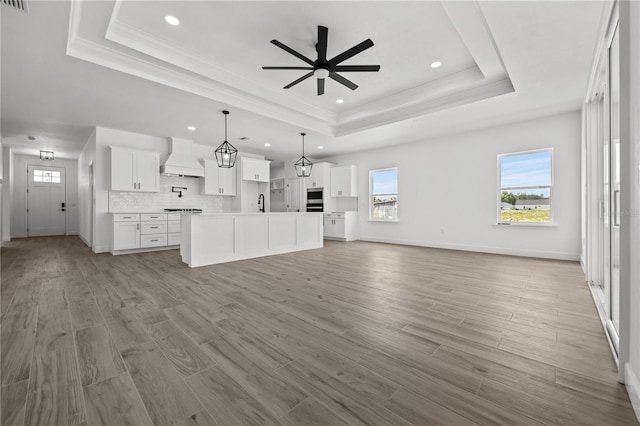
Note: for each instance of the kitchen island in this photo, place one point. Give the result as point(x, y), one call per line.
point(210, 238)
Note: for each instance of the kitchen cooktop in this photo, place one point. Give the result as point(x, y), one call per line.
point(184, 210)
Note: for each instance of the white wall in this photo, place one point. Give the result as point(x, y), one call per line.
point(19, 194)
point(7, 190)
point(87, 156)
point(448, 190)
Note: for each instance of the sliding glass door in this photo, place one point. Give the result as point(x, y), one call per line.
point(603, 189)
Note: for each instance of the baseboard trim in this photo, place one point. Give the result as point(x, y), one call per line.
point(481, 249)
point(633, 388)
point(84, 240)
point(101, 249)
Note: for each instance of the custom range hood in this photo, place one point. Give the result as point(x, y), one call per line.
point(181, 160)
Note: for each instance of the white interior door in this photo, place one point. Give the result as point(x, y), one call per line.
point(293, 195)
point(46, 201)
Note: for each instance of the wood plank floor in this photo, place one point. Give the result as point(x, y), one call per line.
point(352, 334)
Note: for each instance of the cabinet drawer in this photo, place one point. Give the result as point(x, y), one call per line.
point(149, 216)
point(153, 228)
point(157, 240)
point(174, 216)
point(173, 239)
point(174, 226)
point(120, 217)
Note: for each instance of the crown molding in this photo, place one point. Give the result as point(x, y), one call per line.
point(485, 90)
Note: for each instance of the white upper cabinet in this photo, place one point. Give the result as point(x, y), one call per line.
point(320, 176)
point(255, 170)
point(219, 180)
point(137, 171)
point(344, 182)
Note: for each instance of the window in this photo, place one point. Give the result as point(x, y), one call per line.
point(383, 194)
point(46, 176)
point(525, 187)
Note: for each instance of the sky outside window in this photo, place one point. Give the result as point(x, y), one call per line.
point(522, 170)
point(385, 182)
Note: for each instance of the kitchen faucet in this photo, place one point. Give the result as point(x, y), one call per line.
point(261, 203)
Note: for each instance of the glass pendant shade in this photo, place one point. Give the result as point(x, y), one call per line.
point(303, 165)
point(226, 153)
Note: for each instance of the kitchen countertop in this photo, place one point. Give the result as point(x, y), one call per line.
point(255, 213)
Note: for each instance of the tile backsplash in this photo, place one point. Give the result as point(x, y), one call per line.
point(130, 202)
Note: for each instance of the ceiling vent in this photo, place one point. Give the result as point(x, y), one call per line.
point(16, 4)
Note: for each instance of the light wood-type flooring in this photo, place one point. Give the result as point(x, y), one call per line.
point(354, 333)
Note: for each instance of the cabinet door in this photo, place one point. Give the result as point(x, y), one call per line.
point(340, 179)
point(328, 227)
point(262, 171)
point(227, 181)
point(211, 178)
point(126, 235)
point(339, 230)
point(248, 169)
point(148, 171)
point(122, 170)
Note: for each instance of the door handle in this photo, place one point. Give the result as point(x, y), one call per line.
point(616, 207)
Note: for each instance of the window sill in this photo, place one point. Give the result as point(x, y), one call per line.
point(524, 225)
point(384, 221)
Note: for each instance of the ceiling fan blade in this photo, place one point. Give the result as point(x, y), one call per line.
point(356, 68)
point(340, 79)
point(351, 52)
point(287, 68)
point(304, 77)
point(320, 86)
point(321, 47)
point(293, 52)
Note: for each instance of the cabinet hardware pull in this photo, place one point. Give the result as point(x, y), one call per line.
point(137, 226)
point(154, 227)
point(153, 241)
point(126, 217)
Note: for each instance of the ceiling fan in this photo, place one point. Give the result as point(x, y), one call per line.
point(322, 68)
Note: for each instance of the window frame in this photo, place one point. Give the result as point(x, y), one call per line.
point(550, 187)
point(371, 194)
point(45, 175)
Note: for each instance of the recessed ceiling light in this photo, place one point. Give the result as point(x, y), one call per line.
point(339, 101)
point(172, 20)
point(436, 64)
point(192, 128)
point(267, 144)
point(321, 147)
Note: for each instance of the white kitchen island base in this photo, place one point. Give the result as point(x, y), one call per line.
point(210, 238)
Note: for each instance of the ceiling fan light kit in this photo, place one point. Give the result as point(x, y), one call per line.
point(322, 68)
point(226, 153)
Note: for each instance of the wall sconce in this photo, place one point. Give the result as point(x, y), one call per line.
point(46, 155)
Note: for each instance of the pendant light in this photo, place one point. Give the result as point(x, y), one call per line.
point(226, 153)
point(303, 165)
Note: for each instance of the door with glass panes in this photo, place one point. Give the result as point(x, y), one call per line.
point(46, 201)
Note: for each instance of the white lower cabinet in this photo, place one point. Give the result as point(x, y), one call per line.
point(145, 230)
point(173, 229)
point(126, 231)
point(340, 226)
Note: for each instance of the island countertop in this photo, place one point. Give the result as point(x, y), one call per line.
point(217, 237)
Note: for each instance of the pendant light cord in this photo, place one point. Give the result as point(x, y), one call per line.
point(303, 135)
